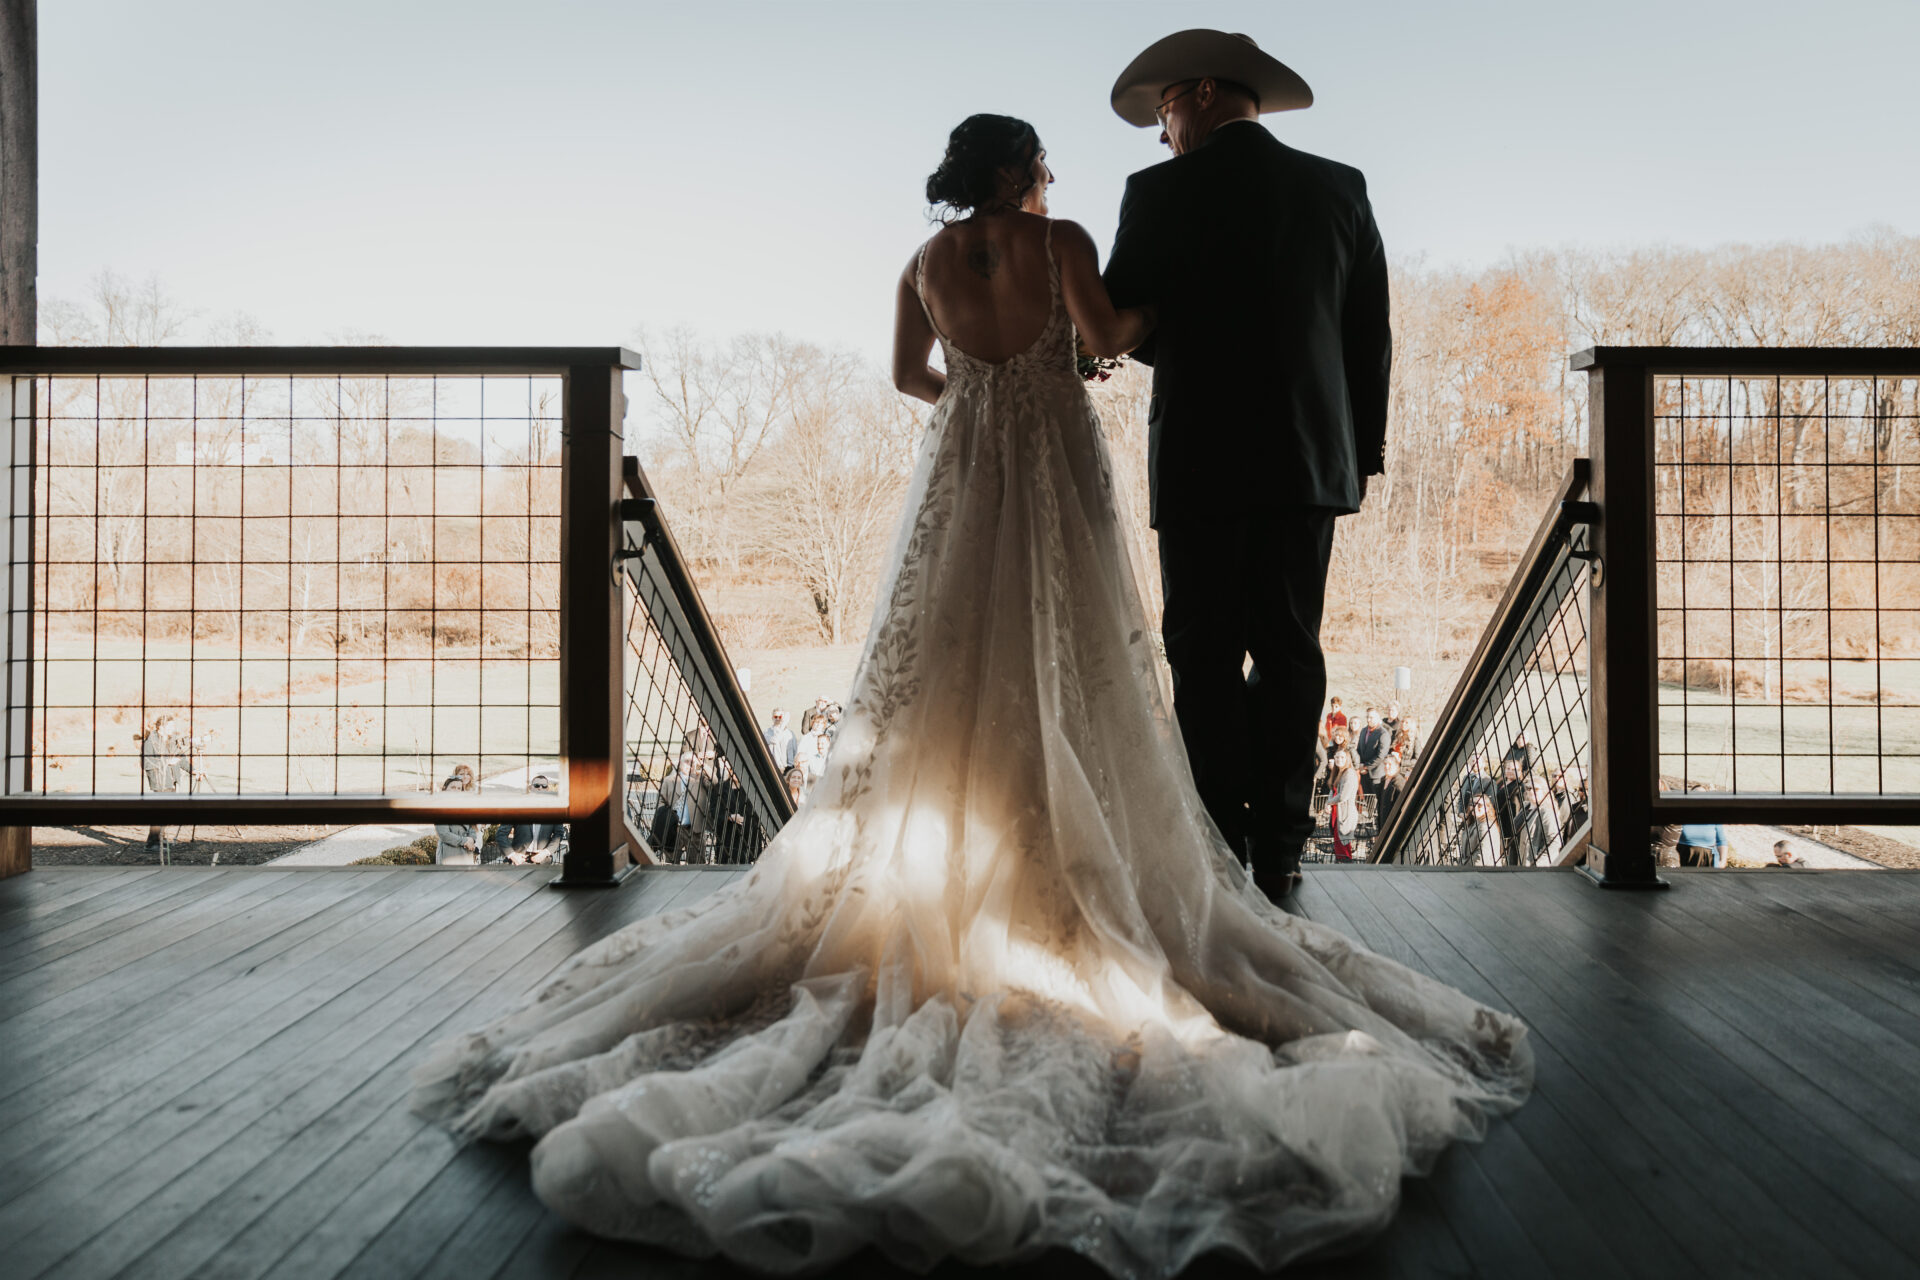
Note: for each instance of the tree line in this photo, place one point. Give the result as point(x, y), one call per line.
point(783, 465)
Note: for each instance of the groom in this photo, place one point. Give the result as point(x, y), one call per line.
point(1269, 413)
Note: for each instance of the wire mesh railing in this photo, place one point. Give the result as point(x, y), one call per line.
point(291, 584)
point(298, 584)
point(1787, 570)
point(1502, 780)
point(701, 785)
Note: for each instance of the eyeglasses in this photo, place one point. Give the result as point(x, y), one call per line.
point(1160, 112)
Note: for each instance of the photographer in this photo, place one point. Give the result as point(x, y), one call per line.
point(526, 842)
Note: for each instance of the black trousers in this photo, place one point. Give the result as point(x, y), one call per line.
point(1250, 586)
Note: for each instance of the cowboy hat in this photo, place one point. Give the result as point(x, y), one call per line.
point(1195, 55)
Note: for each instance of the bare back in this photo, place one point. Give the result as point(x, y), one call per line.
point(987, 284)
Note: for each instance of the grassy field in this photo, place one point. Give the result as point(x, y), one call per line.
point(312, 723)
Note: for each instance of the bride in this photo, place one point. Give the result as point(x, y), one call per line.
point(999, 987)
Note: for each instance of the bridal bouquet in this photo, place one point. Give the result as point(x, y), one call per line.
point(1095, 368)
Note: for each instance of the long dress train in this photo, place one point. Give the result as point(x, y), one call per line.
point(999, 986)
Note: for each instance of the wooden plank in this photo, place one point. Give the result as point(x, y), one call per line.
point(78, 1035)
point(552, 1249)
point(494, 1228)
point(107, 918)
point(1668, 1083)
point(347, 1122)
point(135, 1199)
point(178, 930)
point(1831, 1100)
point(1588, 1145)
point(1560, 1150)
point(351, 1225)
point(1655, 1146)
point(1871, 965)
point(1811, 970)
point(27, 901)
point(161, 1086)
point(1550, 1222)
point(331, 1203)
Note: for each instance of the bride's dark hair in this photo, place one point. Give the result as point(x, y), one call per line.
point(978, 148)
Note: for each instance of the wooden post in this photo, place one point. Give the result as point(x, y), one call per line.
point(1625, 764)
point(19, 266)
point(592, 698)
point(19, 174)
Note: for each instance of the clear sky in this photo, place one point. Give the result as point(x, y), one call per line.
point(477, 171)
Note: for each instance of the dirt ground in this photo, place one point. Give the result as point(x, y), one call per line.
point(1864, 844)
point(193, 846)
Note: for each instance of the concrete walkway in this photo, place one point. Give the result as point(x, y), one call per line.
point(1753, 846)
point(351, 845)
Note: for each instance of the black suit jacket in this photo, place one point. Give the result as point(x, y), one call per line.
point(1271, 358)
point(1371, 748)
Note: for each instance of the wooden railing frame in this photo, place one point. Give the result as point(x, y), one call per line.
point(1626, 797)
point(592, 698)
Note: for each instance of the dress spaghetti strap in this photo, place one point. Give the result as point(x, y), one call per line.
point(920, 288)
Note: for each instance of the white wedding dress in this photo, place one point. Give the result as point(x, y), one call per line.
point(999, 987)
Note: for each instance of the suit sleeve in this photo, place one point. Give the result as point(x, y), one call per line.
point(1367, 339)
point(1132, 276)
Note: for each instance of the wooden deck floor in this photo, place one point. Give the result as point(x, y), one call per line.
point(202, 1072)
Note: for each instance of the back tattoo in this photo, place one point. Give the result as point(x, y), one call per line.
point(983, 260)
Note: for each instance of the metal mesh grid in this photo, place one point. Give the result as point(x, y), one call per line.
point(684, 792)
point(1787, 544)
point(333, 584)
point(1524, 756)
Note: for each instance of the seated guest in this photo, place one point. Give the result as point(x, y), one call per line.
point(1570, 798)
point(1478, 782)
point(1538, 837)
point(459, 841)
point(1783, 857)
point(525, 841)
point(1509, 798)
point(1521, 752)
point(736, 829)
point(683, 795)
point(1479, 843)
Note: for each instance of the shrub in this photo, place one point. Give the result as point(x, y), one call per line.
point(407, 855)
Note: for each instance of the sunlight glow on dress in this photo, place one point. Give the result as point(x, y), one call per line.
point(999, 987)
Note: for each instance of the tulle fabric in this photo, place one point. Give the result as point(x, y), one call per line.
point(999, 987)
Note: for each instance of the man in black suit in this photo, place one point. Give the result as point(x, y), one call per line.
point(1269, 412)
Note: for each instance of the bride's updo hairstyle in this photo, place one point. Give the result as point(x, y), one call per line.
point(969, 174)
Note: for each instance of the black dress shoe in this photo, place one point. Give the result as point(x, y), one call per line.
point(1276, 884)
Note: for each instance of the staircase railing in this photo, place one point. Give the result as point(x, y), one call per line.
point(701, 784)
point(1515, 728)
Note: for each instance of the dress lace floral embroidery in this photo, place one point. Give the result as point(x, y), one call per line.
point(999, 987)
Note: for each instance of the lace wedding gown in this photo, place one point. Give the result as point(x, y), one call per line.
point(999, 986)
